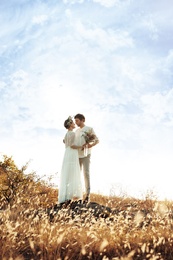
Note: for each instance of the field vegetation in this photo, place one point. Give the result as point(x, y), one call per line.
point(129, 228)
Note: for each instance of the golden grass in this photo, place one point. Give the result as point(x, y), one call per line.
point(27, 233)
point(135, 229)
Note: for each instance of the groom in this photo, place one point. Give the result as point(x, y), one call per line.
point(84, 160)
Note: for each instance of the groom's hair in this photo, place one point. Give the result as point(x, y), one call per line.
point(80, 116)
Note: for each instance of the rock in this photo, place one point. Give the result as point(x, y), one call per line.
point(79, 208)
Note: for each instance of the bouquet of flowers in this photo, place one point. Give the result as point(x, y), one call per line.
point(89, 137)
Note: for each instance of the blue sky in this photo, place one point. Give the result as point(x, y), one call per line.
point(111, 60)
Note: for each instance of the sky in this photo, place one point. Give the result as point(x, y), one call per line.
point(111, 60)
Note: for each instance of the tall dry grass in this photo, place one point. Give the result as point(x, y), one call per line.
point(135, 229)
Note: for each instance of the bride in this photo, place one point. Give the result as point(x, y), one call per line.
point(70, 179)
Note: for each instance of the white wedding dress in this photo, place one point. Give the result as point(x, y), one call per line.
point(70, 178)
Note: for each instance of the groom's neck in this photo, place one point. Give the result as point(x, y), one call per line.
point(82, 125)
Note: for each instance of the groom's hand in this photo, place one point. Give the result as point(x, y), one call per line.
point(83, 146)
point(87, 145)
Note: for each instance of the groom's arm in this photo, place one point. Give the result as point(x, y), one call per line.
point(93, 143)
point(96, 140)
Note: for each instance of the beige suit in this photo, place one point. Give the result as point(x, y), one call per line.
point(84, 160)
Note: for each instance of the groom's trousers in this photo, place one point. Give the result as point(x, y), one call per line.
point(85, 165)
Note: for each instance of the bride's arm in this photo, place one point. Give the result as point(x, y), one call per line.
point(76, 147)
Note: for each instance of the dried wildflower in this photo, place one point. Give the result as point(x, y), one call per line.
point(103, 245)
point(83, 250)
point(89, 137)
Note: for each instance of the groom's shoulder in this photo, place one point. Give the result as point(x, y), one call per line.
point(86, 128)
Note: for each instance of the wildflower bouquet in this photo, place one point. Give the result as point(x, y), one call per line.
point(89, 137)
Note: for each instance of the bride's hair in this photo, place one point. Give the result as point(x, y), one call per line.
point(68, 122)
point(80, 116)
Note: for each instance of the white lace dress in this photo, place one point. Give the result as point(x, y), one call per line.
point(70, 179)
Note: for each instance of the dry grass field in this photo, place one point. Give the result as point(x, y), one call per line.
point(126, 229)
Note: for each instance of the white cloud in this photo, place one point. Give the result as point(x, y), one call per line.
point(151, 27)
point(108, 3)
point(169, 62)
point(73, 1)
point(108, 40)
point(158, 106)
point(40, 19)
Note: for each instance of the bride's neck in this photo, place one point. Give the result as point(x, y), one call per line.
point(70, 129)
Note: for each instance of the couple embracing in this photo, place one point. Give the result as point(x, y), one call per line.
point(77, 155)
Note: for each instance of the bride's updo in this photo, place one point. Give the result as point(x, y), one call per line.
point(68, 122)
